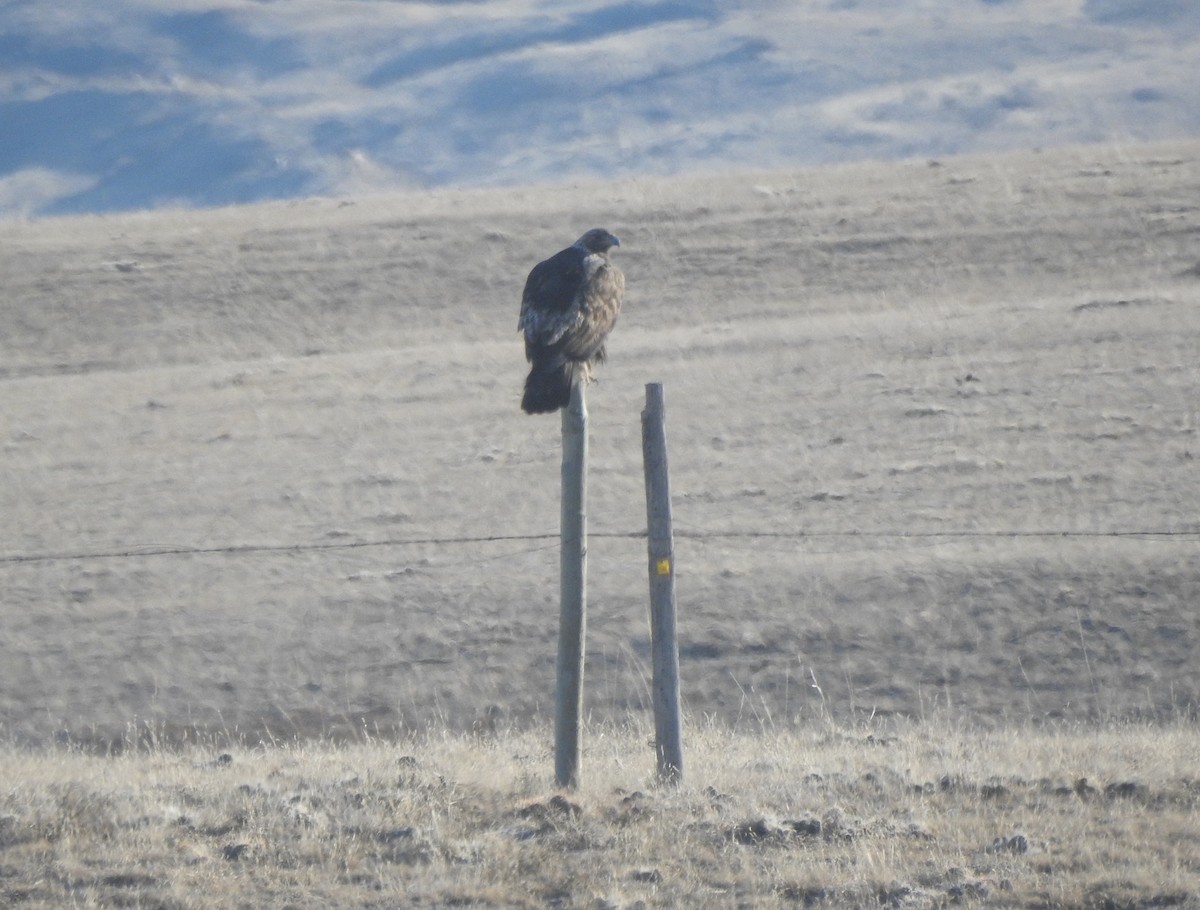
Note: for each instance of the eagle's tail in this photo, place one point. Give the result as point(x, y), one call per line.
point(548, 386)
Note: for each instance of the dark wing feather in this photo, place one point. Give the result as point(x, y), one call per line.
point(549, 304)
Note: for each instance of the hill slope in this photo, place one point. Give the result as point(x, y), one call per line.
point(149, 103)
point(919, 417)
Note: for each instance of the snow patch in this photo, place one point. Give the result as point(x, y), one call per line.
point(25, 192)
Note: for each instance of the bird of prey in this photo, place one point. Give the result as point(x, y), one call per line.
point(570, 304)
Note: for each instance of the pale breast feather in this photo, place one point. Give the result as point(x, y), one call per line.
point(602, 292)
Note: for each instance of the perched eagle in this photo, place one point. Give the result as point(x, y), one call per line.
point(570, 304)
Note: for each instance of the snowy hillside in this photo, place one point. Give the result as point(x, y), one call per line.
point(144, 103)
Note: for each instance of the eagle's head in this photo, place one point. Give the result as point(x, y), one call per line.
point(597, 240)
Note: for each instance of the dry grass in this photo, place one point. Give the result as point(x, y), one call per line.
point(918, 815)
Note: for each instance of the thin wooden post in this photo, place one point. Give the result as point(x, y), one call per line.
point(572, 621)
point(668, 735)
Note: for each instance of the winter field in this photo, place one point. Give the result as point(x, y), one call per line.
point(925, 816)
point(932, 432)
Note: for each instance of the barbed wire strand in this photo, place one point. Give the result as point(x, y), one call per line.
point(252, 549)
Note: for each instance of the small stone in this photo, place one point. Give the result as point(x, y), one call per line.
point(1125, 789)
point(1018, 843)
point(752, 832)
point(395, 834)
point(563, 805)
point(804, 827)
point(967, 891)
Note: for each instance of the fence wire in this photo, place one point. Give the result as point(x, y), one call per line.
point(258, 549)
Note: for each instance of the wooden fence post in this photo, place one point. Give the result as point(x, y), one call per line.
point(572, 622)
point(668, 736)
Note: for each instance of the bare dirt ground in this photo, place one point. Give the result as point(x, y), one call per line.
point(919, 417)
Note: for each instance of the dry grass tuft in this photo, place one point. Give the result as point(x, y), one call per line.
point(913, 816)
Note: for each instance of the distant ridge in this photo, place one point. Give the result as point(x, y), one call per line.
point(141, 106)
